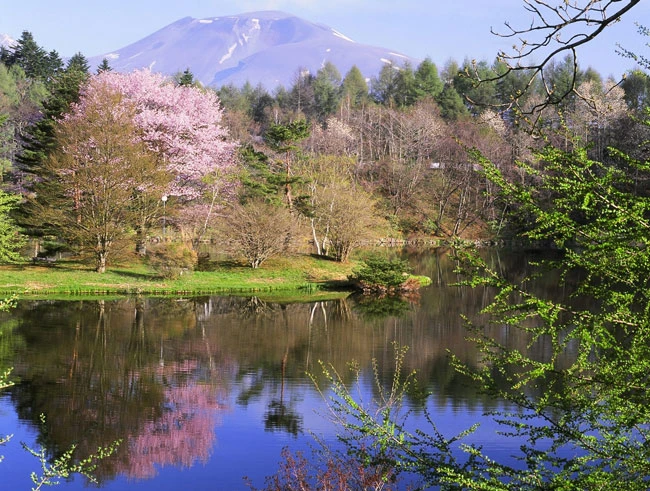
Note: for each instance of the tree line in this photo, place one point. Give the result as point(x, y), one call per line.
point(100, 160)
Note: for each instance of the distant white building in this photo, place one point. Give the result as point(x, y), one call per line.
point(442, 165)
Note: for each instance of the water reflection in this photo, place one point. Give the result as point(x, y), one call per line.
point(162, 374)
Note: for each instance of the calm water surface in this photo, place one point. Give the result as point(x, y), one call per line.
point(204, 391)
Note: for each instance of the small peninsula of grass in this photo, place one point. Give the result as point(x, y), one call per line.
point(292, 273)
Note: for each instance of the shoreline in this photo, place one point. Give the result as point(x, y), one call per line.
point(291, 274)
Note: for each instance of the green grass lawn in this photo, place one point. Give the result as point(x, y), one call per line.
point(300, 272)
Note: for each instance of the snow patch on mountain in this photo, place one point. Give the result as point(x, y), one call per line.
point(7, 41)
point(228, 54)
point(342, 36)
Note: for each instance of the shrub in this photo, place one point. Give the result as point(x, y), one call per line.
point(259, 230)
point(381, 274)
point(171, 259)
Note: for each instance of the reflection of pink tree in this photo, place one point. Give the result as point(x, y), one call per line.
point(183, 433)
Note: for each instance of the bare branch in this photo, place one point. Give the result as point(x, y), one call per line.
point(556, 29)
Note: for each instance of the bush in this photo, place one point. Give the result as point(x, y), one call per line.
point(381, 274)
point(172, 259)
point(259, 230)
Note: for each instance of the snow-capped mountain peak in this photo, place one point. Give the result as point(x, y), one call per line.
point(267, 47)
point(6, 41)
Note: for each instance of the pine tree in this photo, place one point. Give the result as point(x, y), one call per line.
point(384, 86)
point(187, 78)
point(327, 90)
point(355, 88)
point(427, 81)
point(405, 86)
point(30, 57)
point(451, 104)
point(284, 139)
point(39, 139)
point(54, 63)
point(78, 63)
point(104, 66)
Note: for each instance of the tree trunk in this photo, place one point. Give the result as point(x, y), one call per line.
point(101, 262)
point(287, 184)
point(103, 246)
point(319, 251)
point(141, 243)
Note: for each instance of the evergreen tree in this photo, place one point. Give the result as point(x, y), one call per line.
point(427, 81)
point(451, 104)
point(39, 139)
point(560, 79)
point(327, 90)
point(232, 98)
point(637, 89)
point(511, 85)
point(261, 178)
point(479, 95)
point(10, 239)
point(54, 63)
point(449, 72)
point(383, 87)
point(187, 78)
point(405, 86)
point(6, 56)
point(355, 88)
point(30, 57)
point(21, 100)
point(259, 102)
point(103, 66)
point(284, 139)
point(6, 144)
point(78, 63)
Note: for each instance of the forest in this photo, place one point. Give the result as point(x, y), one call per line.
point(327, 165)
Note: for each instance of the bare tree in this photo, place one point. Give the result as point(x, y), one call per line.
point(259, 230)
point(557, 30)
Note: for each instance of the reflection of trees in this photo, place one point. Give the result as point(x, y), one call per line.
point(94, 370)
point(182, 433)
point(142, 369)
point(10, 341)
point(254, 306)
point(279, 415)
point(374, 307)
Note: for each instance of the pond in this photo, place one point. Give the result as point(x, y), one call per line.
point(206, 391)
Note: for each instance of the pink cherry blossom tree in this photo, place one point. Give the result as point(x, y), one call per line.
point(183, 125)
point(99, 176)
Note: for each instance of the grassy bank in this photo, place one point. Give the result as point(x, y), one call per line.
point(302, 272)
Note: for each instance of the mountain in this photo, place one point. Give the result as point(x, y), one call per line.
point(260, 47)
point(6, 41)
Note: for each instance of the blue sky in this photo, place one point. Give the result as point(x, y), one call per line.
point(440, 29)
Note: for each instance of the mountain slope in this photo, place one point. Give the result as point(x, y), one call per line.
point(259, 47)
point(6, 41)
